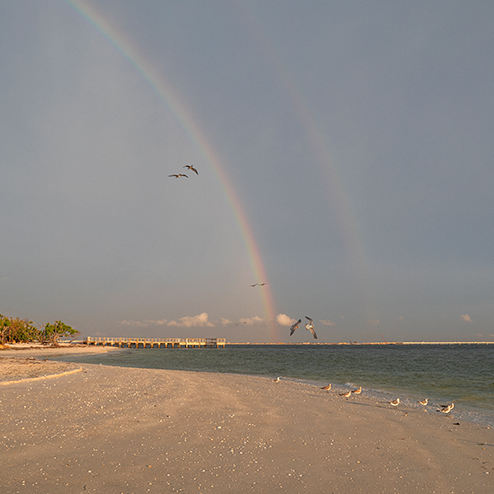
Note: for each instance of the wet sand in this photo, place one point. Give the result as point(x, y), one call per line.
point(125, 430)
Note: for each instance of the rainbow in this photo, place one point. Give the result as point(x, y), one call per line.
point(171, 99)
point(338, 196)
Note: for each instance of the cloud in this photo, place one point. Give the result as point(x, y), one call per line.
point(374, 322)
point(466, 317)
point(252, 321)
point(225, 322)
point(143, 324)
point(159, 322)
point(137, 324)
point(284, 320)
point(200, 320)
point(327, 322)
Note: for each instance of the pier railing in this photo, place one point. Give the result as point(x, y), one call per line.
point(135, 342)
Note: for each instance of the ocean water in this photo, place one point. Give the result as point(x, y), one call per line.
point(463, 374)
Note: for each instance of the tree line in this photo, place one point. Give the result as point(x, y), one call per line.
point(16, 330)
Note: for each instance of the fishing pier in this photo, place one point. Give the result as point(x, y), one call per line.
point(132, 342)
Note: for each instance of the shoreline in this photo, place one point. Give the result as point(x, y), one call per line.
point(121, 429)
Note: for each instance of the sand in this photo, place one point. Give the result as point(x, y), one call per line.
point(124, 430)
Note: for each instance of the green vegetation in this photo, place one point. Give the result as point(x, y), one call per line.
point(15, 330)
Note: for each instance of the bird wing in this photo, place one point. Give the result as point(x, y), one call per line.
point(194, 170)
point(313, 332)
point(307, 317)
point(173, 176)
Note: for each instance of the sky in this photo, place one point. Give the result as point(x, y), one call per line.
point(344, 154)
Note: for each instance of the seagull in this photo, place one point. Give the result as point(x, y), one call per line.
point(262, 284)
point(179, 175)
point(277, 380)
point(394, 403)
point(347, 394)
point(327, 388)
point(295, 326)
point(310, 326)
point(424, 402)
point(357, 391)
point(255, 284)
point(191, 167)
point(446, 408)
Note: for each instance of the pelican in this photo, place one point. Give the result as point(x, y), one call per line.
point(179, 175)
point(295, 326)
point(191, 167)
point(394, 403)
point(327, 388)
point(310, 327)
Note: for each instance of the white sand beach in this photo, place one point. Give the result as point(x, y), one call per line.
point(126, 430)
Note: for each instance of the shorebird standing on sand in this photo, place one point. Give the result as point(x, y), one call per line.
point(394, 403)
point(446, 408)
point(295, 326)
point(191, 167)
point(346, 395)
point(277, 380)
point(310, 327)
point(327, 388)
point(357, 391)
point(178, 175)
point(424, 402)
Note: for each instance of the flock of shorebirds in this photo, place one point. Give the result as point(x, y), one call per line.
point(394, 403)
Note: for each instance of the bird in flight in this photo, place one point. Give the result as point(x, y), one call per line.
point(310, 327)
point(191, 167)
point(295, 326)
point(179, 175)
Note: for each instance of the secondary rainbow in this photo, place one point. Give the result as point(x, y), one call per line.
point(171, 99)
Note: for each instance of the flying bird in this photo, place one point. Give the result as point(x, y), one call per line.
point(327, 388)
point(424, 402)
point(347, 394)
point(179, 175)
point(255, 284)
point(295, 326)
point(191, 167)
point(394, 403)
point(357, 391)
point(310, 327)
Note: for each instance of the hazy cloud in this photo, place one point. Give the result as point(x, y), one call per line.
point(466, 317)
point(137, 324)
point(284, 320)
point(225, 322)
point(252, 321)
point(374, 322)
point(192, 321)
point(327, 322)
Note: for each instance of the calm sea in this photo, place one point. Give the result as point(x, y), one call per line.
point(443, 373)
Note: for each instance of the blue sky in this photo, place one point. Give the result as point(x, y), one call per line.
point(355, 136)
